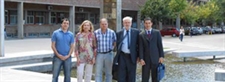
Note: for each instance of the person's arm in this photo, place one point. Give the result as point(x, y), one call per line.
point(54, 48)
point(114, 41)
point(94, 45)
point(140, 46)
point(76, 50)
point(71, 47)
point(160, 47)
point(71, 50)
point(141, 50)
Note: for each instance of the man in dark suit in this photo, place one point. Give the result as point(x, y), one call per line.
point(150, 51)
point(127, 45)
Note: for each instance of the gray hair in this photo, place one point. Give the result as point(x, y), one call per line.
point(103, 20)
point(127, 18)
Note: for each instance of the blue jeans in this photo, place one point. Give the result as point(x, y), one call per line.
point(56, 68)
point(181, 37)
point(104, 63)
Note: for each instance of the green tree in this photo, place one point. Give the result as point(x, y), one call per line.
point(221, 11)
point(214, 16)
point(176, 7)
point(156, 9)
point(191, 13)
point(204, 11)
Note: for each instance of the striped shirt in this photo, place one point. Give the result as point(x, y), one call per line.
point(105, 41)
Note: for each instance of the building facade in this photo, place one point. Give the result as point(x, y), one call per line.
point(39, 18)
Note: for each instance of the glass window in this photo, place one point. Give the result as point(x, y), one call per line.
point(13, 17)
point(80, 17)
point(53, 17)
point(92, 18)
point(30, 17)
point(39, 17)
point(60, 16)
point(97, 19)
point(6, 17)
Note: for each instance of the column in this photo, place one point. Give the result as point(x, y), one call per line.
point(20, 20)
point(111, 9)
point(72, 19)
point(119, 15)
point(139, 20)
point(49, 17)
point(2, 38)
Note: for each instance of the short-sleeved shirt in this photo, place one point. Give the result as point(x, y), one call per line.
point(85, 46)
point(62, 41)
point(105, 40)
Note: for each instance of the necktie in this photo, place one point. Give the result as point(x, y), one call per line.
point(149, 34)
point(128, 46)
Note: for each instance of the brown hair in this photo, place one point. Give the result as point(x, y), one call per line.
point(65, 19)
point(147, 18)
point(86, 21)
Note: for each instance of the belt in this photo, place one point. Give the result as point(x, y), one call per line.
point(125, 53)
point(105, 52)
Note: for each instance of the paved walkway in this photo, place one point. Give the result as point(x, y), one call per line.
point(10, 75)
point(13, 47)
point(200, 42)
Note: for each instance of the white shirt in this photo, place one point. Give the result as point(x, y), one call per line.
point(181, 31)
point(125, 43)
point(146, 30)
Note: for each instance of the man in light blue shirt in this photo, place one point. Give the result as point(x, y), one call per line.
point(125, 43)
point(62, 46)
point(127, 52)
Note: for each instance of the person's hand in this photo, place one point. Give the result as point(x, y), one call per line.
point(138, 60)
point(78, 61)
point(142, 62)
point(61, 57)
point(93, 61)
point(161, 60)
point(66, 57)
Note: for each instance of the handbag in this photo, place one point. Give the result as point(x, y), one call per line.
point(115, 71)
point(160, 71)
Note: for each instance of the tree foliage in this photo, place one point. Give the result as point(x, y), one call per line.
point(221, 9)
point(214, 12)
point(191, 13)
point(210, 12)
point(156, 9)
point(177, 6)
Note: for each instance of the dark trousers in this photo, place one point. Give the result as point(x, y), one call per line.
point(127, 69)
point(181, 37)
point(146, 69)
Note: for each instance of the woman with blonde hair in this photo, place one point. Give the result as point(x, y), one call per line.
point(85, 51)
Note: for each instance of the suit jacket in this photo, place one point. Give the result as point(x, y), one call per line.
point(134, 34)
point(150, 48)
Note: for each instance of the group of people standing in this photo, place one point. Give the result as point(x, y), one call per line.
point(96, 47)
